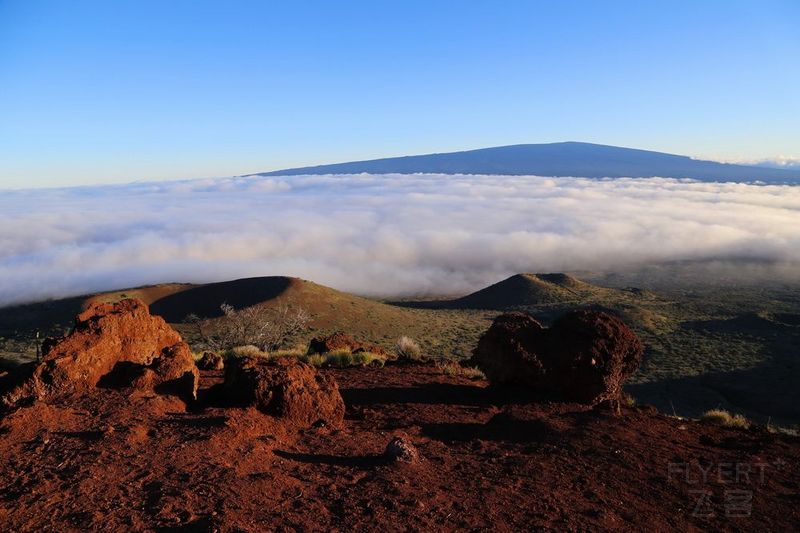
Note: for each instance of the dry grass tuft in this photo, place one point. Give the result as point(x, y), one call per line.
point(316, 359)
point(344, 358)
point(247, 350)
point(720, 417)
point(454, 369)
point(407, 348)
point(287, 352)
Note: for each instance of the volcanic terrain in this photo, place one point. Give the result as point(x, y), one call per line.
point(489, 459)
point(141, 441)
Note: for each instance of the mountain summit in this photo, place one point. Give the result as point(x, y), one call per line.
point(556, 159)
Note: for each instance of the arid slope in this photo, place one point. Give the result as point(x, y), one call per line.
point(490, 460)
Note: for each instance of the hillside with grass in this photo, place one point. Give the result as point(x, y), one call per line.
point(531, 289)
point(706, 347)
point(441, 333)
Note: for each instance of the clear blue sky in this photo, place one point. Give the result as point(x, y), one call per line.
point(106, 91)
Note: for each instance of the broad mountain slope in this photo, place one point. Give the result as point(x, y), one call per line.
point(557, 159)
point(331, 310)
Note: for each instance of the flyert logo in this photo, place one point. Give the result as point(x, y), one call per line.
point(724, 488)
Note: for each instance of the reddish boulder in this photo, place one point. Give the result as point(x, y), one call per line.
point(109, 343)
point(400, 449)
point(342, 341)
point(210, 361)
point(173, 372)
point(584, 357)
point(288, 389)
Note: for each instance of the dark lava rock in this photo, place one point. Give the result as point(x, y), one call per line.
point(401, 450)
point(584, 357)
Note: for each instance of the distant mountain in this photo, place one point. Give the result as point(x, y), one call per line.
point(528, 289)
point(554, 290)
point(557, 159)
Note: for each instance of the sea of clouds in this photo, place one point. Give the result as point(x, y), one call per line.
point(382, 235)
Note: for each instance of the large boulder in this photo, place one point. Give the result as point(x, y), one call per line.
point(173, 372)
point(288, 389)
point(342, 341)
point(585, 356)
point(507, 352)
point(111, 344)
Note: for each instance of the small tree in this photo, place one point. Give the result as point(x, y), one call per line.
point(265, 327)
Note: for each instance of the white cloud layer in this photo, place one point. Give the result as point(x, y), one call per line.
point(781, 161)
point(388, 235)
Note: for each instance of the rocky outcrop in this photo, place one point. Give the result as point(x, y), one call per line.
point(342, 341)
point(111, 344)
point(584, 357)
point(210, 361)
point(288, 389)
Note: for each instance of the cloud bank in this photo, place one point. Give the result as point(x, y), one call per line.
point(781, 161)
point(387, 235)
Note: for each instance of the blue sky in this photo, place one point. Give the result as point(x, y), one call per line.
point(99, 92)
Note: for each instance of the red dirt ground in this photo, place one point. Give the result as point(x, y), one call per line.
point(489, 461)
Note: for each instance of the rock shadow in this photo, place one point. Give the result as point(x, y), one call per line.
point(357, 461)
point(440, 394)
point(205, 301)
point(501, 427)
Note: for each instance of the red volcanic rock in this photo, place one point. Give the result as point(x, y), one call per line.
point(288, 389)
point(210, 361)
point(109, 344)
point(342, 341)
point(400, 449)
point(173, 372)
point(584, 357)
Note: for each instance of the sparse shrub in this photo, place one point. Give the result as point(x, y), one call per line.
point(316, 359)
point(454, 369)
point(344, 358)
point(340, 358)
point(268, 328)
point(408, 349)
point(472, 372)
point(723, 418)
point(288, 352)
point(369, 358)
point(247, 350)
point(627, 400)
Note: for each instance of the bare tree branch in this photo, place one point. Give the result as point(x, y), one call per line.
point(265, 327)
